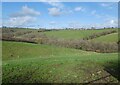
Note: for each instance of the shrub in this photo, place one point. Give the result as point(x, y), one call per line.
point(95, 35)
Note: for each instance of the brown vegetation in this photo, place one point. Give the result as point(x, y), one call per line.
point(83, 44)
point(95, 35)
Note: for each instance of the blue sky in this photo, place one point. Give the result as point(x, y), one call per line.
point(60, 14)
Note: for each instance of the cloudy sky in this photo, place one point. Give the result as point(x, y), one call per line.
point(60, 14)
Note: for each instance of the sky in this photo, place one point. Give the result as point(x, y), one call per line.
point(60, 14)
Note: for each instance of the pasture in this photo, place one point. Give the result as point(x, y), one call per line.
point(36, 63)
point(107, 38)
point(74, 34)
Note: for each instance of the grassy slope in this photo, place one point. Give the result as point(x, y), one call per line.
point(107, 38)
point(66, 34)
point(73, 34)
point(25, 62)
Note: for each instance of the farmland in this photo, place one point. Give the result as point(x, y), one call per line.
point(25, 62)
point(74, 34)
point(61, 34)
point(59, 42)
point(108, 38)
point(43, 63)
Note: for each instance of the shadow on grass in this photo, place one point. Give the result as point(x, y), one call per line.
point(113, 69)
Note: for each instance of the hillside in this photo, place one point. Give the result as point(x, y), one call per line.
point(107, 38)
point(59, 42)
point(74, 34)
point(78, 39)
point(58, 34)
point(26, 62)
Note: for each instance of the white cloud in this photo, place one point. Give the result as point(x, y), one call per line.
point(57, 7)
point(24, 17)
point(112, 23)
point(50, 1)
point(104, 4)
point(78, 9)
point(111, 20)
point(54, 11)
point(0, 22)
point(54, 3)
point(26, 11)
point(52, 23)
point(19, 21)
point(94, 13)
point(107, 5)
point(74, 24)
point(108, 23)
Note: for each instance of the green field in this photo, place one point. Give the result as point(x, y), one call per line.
point(107, 38)
point(62, 34)
point(73, 34)
point(27, 63)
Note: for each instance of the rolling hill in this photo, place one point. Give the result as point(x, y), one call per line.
point(74, 34)
point(107, 38)
point(36, 63)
